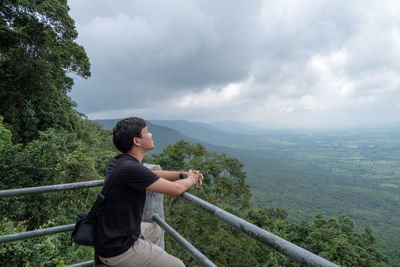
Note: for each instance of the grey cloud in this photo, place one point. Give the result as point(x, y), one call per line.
point(147, 54)
point(150, 51)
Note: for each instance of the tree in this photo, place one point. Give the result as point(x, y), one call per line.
point(37, 52)
point(55, 157)
point(5, 135)
point(224, 178)
point(337, 241)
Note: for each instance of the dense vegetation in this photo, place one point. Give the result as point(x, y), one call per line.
point(37, 52)
point(44, 141)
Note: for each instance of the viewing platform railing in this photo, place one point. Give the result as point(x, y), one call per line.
point(290, 250)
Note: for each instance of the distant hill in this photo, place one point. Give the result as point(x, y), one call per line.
point(108, 124)
point(237, 127)
point(212, 135)
point(200, 131)
point(162, 136)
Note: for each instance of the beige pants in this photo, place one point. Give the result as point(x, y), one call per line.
point(144, 252)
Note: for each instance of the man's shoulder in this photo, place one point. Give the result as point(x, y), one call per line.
point(118, 159)
point(135, 166)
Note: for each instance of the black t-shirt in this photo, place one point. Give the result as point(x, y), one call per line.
point(118, 224)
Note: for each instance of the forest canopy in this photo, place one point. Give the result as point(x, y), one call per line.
point(37, 53)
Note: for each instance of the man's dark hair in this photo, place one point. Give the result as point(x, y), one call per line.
point(124, 132)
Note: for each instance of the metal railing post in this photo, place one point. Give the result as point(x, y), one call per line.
point(154, 204)
point(49, 188)
point(194, 252)
point(82, 264)
point(36, 233)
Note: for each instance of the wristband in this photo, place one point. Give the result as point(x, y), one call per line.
point(181, 175)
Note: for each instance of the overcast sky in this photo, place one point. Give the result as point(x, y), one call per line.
point(272, 63)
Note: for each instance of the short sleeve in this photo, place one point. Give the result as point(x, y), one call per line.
point(139, 177)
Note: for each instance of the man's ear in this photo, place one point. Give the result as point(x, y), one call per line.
point(136, 141)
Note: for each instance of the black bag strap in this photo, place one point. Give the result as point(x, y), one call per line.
point(106, 188)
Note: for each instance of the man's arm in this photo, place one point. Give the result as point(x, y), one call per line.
point(170, 175)
point(176, 188)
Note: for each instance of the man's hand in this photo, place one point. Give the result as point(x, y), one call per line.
point(196, 176)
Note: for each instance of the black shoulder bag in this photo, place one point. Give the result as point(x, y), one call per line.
point(85, 228)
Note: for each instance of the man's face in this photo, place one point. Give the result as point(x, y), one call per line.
point(146, 139)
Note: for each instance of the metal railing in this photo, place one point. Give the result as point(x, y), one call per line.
point(196, 254)
point(36, 233)
point(290, 250)
point(82, 264)
point(49, 188)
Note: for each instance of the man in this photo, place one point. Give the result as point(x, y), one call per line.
point(122, 239)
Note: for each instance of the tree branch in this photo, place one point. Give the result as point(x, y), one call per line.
point(3, 107)
point(19, 34)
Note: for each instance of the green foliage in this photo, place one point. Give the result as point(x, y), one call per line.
point(51, 250)
point(5, 135)
point(336, 240)
point(224, 179)
point(37, 51)
point(51, 143)
point(97, 143)
point(56, 157)
point(27, 252)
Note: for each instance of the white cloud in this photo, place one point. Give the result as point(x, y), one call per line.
point(212, 97)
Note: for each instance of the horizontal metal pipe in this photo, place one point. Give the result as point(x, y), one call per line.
point(82, 264)
point(197, 255)
point(296, 253)
point(36, 233)
point(49, 188)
